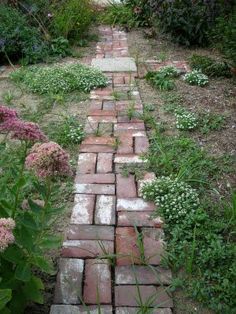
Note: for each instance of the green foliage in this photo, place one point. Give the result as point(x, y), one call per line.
point(209, 66)
point(162, 79)
point(196, 77)
point(210, 122)
point(18, 39)
point(68, 131)
point(185, 120)
point(59, 79)
point(72, 18)
point(59, 47)
point(223, 36)
point(175, 199)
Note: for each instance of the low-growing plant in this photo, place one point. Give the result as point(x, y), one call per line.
point(163, 78)
point(59, 78)
point(196, 77)
point(209, 66)
point(210, 122)
point(185, 120)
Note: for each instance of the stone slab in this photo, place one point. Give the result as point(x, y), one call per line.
point(123, 64)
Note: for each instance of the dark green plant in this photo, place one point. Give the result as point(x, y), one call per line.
point(209, 66)
point(160, 81)
point(59, 47)
point(72, 18)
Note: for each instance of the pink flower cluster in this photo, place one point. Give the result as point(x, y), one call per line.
point(48, 159)
point(7, 113)
point(6, 235)
point(19, 129)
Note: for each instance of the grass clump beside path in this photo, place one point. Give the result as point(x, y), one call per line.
point(59, 78)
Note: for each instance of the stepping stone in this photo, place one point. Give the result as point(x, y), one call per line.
point(123, 64)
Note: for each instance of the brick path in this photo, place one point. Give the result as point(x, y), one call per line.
point(102, 264)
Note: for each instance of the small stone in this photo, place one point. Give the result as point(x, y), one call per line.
point(69, 281)
point(97, 287)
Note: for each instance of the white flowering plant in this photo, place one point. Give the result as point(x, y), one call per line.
point(196, 77)
point(60, 78)
point(185, 120)
point(175, 199)
point(70, 131)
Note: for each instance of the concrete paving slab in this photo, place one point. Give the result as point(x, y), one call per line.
point(115, 64)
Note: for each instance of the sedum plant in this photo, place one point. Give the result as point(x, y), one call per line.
point(196, 77)
point(60, 78)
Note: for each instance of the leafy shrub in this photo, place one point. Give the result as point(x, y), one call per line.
point(188, 22)
point(196, 77)
point(18, 39)
point(60, 79)
point(162, 79)
point(209, 66)
point(72, 18)
point(59, 47)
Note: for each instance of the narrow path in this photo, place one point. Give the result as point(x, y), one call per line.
point(110, 260)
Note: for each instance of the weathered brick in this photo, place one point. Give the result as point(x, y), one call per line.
point(134, 204)
point(97, 287)
point(95, 178)
point(102, 119)
point(126, 246)
point(87, 188)
point(95, 105)
point(104, 163)
point(129, 126)
point(99, 140)
point(82, 212)
point(135, 310)
point(87, 163)
point(80, 309)
point(127, 159)
point(153, 245)
point(91, 127)
point(108, 105)
point(102, 113)
point(138, 219)
point(69, 281)
point(128, 296)
point(86, 248)
point(105, 210)
point(143, 275)
point(125, 186)
point(125, 145)
point(90, 232)
point(96, 148)
point(141, 145)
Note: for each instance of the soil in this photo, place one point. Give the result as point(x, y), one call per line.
point(219, 97)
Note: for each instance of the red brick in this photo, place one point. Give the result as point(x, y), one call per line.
point(125, 145)
point(81, 309)
point(97, 287)
point(90, 127)
point(134, 205)
point(153, 245)
point(104, 163)
point(130, 126)
point(118, 80)
point(109, 105)
point(105, 213)
point(87, 163)
point(92, 232)
point(69, 281)
point(82, 212)
point(95, 105)
point(103, 119)
point(86, 248)
point(138, 219)
point(95, 178)
point(125, 186)
point(102, 113)
point(126, 246)
point(89, 188)
point(84, 148)
point(135, 310)
point(141, 145)
point(143, 275)
point(128, 296)
point(129, 158)
point(99, 140)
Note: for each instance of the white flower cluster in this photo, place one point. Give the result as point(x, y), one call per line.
point(74, 134)
point(175, 199)
point(169, 71)
point(196, 77)
point(185, 120)
point(61, 78)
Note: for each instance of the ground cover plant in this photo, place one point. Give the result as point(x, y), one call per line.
point(59, 78)
point(163, 79)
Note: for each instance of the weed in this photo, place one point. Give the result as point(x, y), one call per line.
point(8, 98)
point(210, 122)
point(131, 112)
